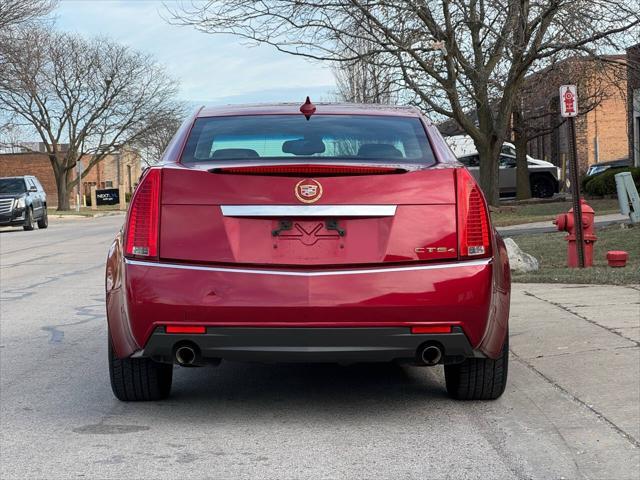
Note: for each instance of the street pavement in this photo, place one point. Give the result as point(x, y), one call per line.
point(571, 408)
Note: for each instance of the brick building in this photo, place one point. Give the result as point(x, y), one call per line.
point(121, 168)
point(633, 104)
point(601, 133)
point(31, 163)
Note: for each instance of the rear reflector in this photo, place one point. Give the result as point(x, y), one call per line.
point(185, 329)
point(144, 216)
point(473, 218)
point(308, 170)
point(432, 329)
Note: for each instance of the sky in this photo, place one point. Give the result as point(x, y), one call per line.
point(213, 69)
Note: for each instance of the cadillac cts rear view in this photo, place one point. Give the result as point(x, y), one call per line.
point(336, 233)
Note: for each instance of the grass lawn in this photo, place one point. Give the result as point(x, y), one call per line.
point(539, 212)
point(551, 251)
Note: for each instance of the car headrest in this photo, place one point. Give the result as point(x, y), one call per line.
point(379, 150)
point(233, 153)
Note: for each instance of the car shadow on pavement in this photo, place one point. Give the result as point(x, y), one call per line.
point(299, 389)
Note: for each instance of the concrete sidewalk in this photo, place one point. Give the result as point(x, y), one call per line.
point(548, 226)
point(584, 340)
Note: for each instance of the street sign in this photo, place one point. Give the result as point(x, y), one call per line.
point(108, 196)
point(568, 101)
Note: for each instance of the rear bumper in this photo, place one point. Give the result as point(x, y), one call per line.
point(144, 297)
point(342, 345)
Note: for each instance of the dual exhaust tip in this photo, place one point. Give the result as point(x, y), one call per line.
point(430, 354)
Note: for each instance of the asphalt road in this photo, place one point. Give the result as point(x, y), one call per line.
point(571, 409)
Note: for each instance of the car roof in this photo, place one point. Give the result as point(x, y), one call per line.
point(321, 108)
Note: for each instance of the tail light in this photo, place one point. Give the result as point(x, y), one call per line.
point(144, 217)
point(473, 218)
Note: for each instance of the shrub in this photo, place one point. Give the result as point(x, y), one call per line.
point(584, 181)
point(605, 183)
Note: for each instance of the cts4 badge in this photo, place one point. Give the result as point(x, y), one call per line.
point(308, 191)
point(435, 250)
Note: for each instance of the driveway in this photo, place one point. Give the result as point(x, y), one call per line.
point(571, 409)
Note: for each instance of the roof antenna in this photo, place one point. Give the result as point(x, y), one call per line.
point(308, 108)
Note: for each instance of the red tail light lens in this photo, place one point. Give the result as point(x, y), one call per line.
point(144, 217)
point(473, 218)
point(185, 329)
point(432, 329)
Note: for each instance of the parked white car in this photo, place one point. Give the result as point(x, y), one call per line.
point(544, 176)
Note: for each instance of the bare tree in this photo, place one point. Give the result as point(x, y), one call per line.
point(454, 56)
point(14, 13)
point(363, 82)
point(153, 141)
point(363, 79)
point(93, 95)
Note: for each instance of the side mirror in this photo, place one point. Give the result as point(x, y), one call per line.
point(33, 189)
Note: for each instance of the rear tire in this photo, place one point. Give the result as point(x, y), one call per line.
point(29, 222)
point(478, 378)
point(44, 221)
point(139, 379)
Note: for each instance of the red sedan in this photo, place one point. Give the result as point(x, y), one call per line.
point(336, 233)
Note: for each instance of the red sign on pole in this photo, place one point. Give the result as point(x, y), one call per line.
point(568, 101)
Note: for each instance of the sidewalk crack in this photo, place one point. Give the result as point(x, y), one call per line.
point(562, 354)
point(577, 400)
point(568, 310)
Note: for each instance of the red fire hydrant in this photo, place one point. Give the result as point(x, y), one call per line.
point(565, 222)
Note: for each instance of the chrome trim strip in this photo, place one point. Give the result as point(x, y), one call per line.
point(308, 210)
point(293, 273)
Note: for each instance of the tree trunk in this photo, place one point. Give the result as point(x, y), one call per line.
point(523, 186)
point(61, 187)
point(489, 172)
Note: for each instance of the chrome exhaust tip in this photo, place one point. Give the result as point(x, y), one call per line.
point(431, 355)
point(185, 355)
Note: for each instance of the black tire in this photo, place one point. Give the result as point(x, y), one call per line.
point(542, 187)
point(478, 378)
point(44, 221)
point(139, 379)
point(29, 222)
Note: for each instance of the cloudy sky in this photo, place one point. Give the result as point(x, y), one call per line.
point(210, 68)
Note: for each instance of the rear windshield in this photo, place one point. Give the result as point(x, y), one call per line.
point(12, 185)
point(360, 138)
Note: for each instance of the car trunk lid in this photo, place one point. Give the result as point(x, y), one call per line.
point(281, 216)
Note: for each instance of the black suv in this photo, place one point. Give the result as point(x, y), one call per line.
point(23, 202)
